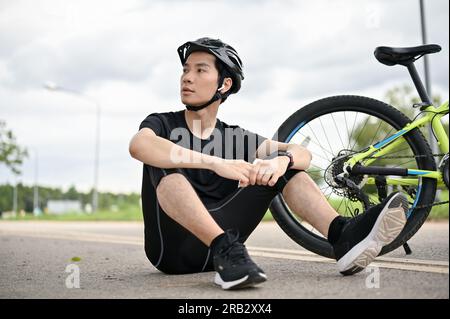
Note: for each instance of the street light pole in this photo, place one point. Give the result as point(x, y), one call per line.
point(96, 160)
point(36, 210)
point(53, 87)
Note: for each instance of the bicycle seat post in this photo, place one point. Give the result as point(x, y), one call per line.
point(418, 83)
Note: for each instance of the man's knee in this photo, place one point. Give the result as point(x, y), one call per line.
point(298, 174)
point(167, 182)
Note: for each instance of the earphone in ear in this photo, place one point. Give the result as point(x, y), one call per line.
point(220, 87)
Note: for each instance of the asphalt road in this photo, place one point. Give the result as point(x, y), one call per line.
point(36, 262)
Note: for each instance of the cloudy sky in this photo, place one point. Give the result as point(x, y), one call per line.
point(122, 54)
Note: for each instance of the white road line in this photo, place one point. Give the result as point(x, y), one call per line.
point(79, 236)
point(381, 258)
point(430, 266)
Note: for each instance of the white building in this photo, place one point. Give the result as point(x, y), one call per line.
point(59, 207)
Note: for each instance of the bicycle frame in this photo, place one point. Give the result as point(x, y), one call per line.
point(432, 116)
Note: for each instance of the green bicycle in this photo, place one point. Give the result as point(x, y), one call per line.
point(363, 149)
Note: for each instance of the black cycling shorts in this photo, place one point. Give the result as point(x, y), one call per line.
point(172, 249)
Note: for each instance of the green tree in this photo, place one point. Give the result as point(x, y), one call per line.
point(372, 130)
point(72, 193)
point(402, 98)
point(11, 154)
point(6, 197)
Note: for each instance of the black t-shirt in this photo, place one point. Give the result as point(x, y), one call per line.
point(226, 141)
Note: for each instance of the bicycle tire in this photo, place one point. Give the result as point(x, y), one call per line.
point(387, 113)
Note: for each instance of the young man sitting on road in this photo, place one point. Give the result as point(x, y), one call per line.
point(207, 184)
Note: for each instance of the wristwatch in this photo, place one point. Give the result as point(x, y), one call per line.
point(288, 154)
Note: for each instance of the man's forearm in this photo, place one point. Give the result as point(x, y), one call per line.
point(159, 152)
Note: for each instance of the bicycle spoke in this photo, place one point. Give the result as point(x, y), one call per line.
point(387, 134)
point(312, 228)
point(329, 195)
point(326, 136)
point(320, 168)
point(314, 153)
point(349, 212)
point(402, 181)
point(314, 171)
point(353, 128)
point(320, 145)
point(409, 184)
point(342, 200)
point(356, 140)
point(352, 208)
point(346, 126)
point(337, 130)
point(317, 176)
point(327, 187)
point(376, 133)
point(413, 160)
point(382, 158)
point(395, 152)
point(376, 198)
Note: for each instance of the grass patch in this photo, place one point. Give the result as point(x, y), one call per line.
point(134, 213)
point(129, 213)
point(440, 212)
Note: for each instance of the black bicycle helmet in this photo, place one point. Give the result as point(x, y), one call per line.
point(225, 54)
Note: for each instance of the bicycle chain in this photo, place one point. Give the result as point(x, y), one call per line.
point(432, 155)
point(429, 205)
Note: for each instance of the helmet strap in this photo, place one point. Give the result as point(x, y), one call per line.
point(215, 97)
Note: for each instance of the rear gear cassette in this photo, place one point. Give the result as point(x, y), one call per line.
point(335, 169)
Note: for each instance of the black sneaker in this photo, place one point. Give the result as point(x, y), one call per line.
point(363, 237)
point(234, 267)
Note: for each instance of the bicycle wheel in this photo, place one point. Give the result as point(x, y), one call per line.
point(337, 127)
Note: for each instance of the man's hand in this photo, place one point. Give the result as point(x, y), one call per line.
point(267, 172)
point(238, 170)
point(260, 172)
